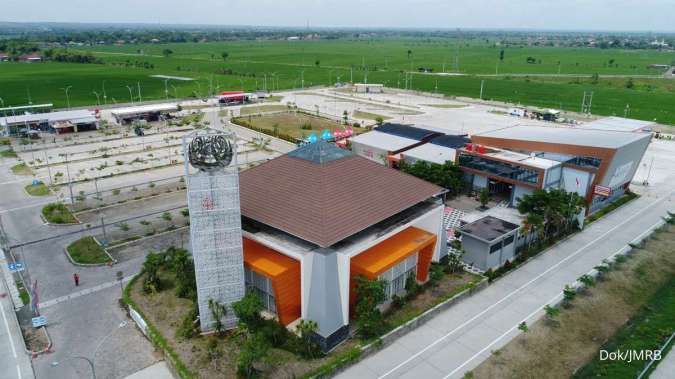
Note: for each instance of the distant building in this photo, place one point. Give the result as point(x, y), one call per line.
point(368, 88)
point(439, 150)
point(4, 58)
point(619, 124)
point(385, 143)
point(31, 58)
point(293, 38)
point(55, 122)
point(597, 164)
point(150, 112)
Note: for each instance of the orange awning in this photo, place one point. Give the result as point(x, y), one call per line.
point(391, 251)
point(266, 261)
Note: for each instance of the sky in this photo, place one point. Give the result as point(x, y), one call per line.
point(630, 15)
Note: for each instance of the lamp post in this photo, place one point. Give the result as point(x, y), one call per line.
point(67, 97)
point(131, 94)
point(98, 99)
point(105, 97)
point(2, 101)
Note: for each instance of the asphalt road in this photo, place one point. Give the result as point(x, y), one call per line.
point(460, 338)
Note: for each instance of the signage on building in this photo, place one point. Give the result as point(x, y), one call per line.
point(602, 191)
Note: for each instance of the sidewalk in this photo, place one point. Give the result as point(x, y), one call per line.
point(666, 367)
point(14, 362)
point(462, 337)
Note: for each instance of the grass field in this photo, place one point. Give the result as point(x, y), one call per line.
point(87, 251)
point(290, 124)
point(21, 169)
point(282, 65)
point(37, 190)
point(58, 213)
point(368, 116)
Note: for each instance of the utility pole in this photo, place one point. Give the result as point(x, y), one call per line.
point(482, 83)
point(587, 102)
point(70, 183)
point(140, 99)
point(166, 88)
point(49, 171)
point(67, 97)
point(131, 94)
point(105, 97)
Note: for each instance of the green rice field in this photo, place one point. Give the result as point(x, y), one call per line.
point(556, 77)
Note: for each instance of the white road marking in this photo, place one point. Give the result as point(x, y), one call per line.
point(11, 341)
point(652, 228)
point(75, 295)
point(488, 309)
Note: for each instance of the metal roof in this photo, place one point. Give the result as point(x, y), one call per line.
point(140, 109)
point(326, 201)
point(384, 141)
point(431, 153)
point(408, 131)
point(76, 117)
point(451, 141)
point(618, 124)
point(565, 136)
point(489, 228)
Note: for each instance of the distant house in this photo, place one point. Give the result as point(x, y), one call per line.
point(4, 58)
point(30, 58)
point(293, 38)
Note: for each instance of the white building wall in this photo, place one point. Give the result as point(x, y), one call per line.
point(369, 152)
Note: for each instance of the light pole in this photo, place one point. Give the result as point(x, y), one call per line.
point(67, 97)
point(131, 94)
point(98, 99)
point(166, 88)
point(105, 97)
point(2, 101)
point(175, 91)
point(302, 79)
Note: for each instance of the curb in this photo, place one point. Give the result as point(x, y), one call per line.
point(112, 260)
point(144, 238)
point(409, 326)
point(44, 220)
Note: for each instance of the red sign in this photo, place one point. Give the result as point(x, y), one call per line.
point(602, 191)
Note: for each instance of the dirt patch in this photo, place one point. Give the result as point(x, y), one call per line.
point(557, 350)
point(36, 339)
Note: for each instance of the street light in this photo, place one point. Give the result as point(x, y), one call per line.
point(131, 94)
point(67, 97)
point(2, 101)
point(98, 99)
point(105, 97)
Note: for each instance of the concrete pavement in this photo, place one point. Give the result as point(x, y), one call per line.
point(14, 362)
point(460, 338)
point(665, 368)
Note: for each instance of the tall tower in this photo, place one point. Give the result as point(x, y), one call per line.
point(212, 180)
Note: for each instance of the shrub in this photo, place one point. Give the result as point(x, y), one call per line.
point(151, 282)
point(309, 348)
point(551, 312)
point(254, 348)
point(435, 274)
point(369, 294)
point(248, 310)
point(151, 185)
point(523, 327)
point(587, 280)
point(116, 192)
point(412, 288)
point(569, 294)
point(145, 222)
point(123, 226)
point(185, 212)
point(218, 311)
point(188, 326)
point(166, 216)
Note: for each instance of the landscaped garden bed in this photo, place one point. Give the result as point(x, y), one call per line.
point(58, 213)
point(164, 294)
point(87, 251)
point(38, 189)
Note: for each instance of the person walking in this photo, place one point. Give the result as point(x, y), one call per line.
point(76, 278)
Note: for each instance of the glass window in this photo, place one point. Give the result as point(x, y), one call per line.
point(261, 286)
point(508, 240)
point(395, 278)
point(495, 247)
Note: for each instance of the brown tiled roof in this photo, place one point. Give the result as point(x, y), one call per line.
point(326, 200)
